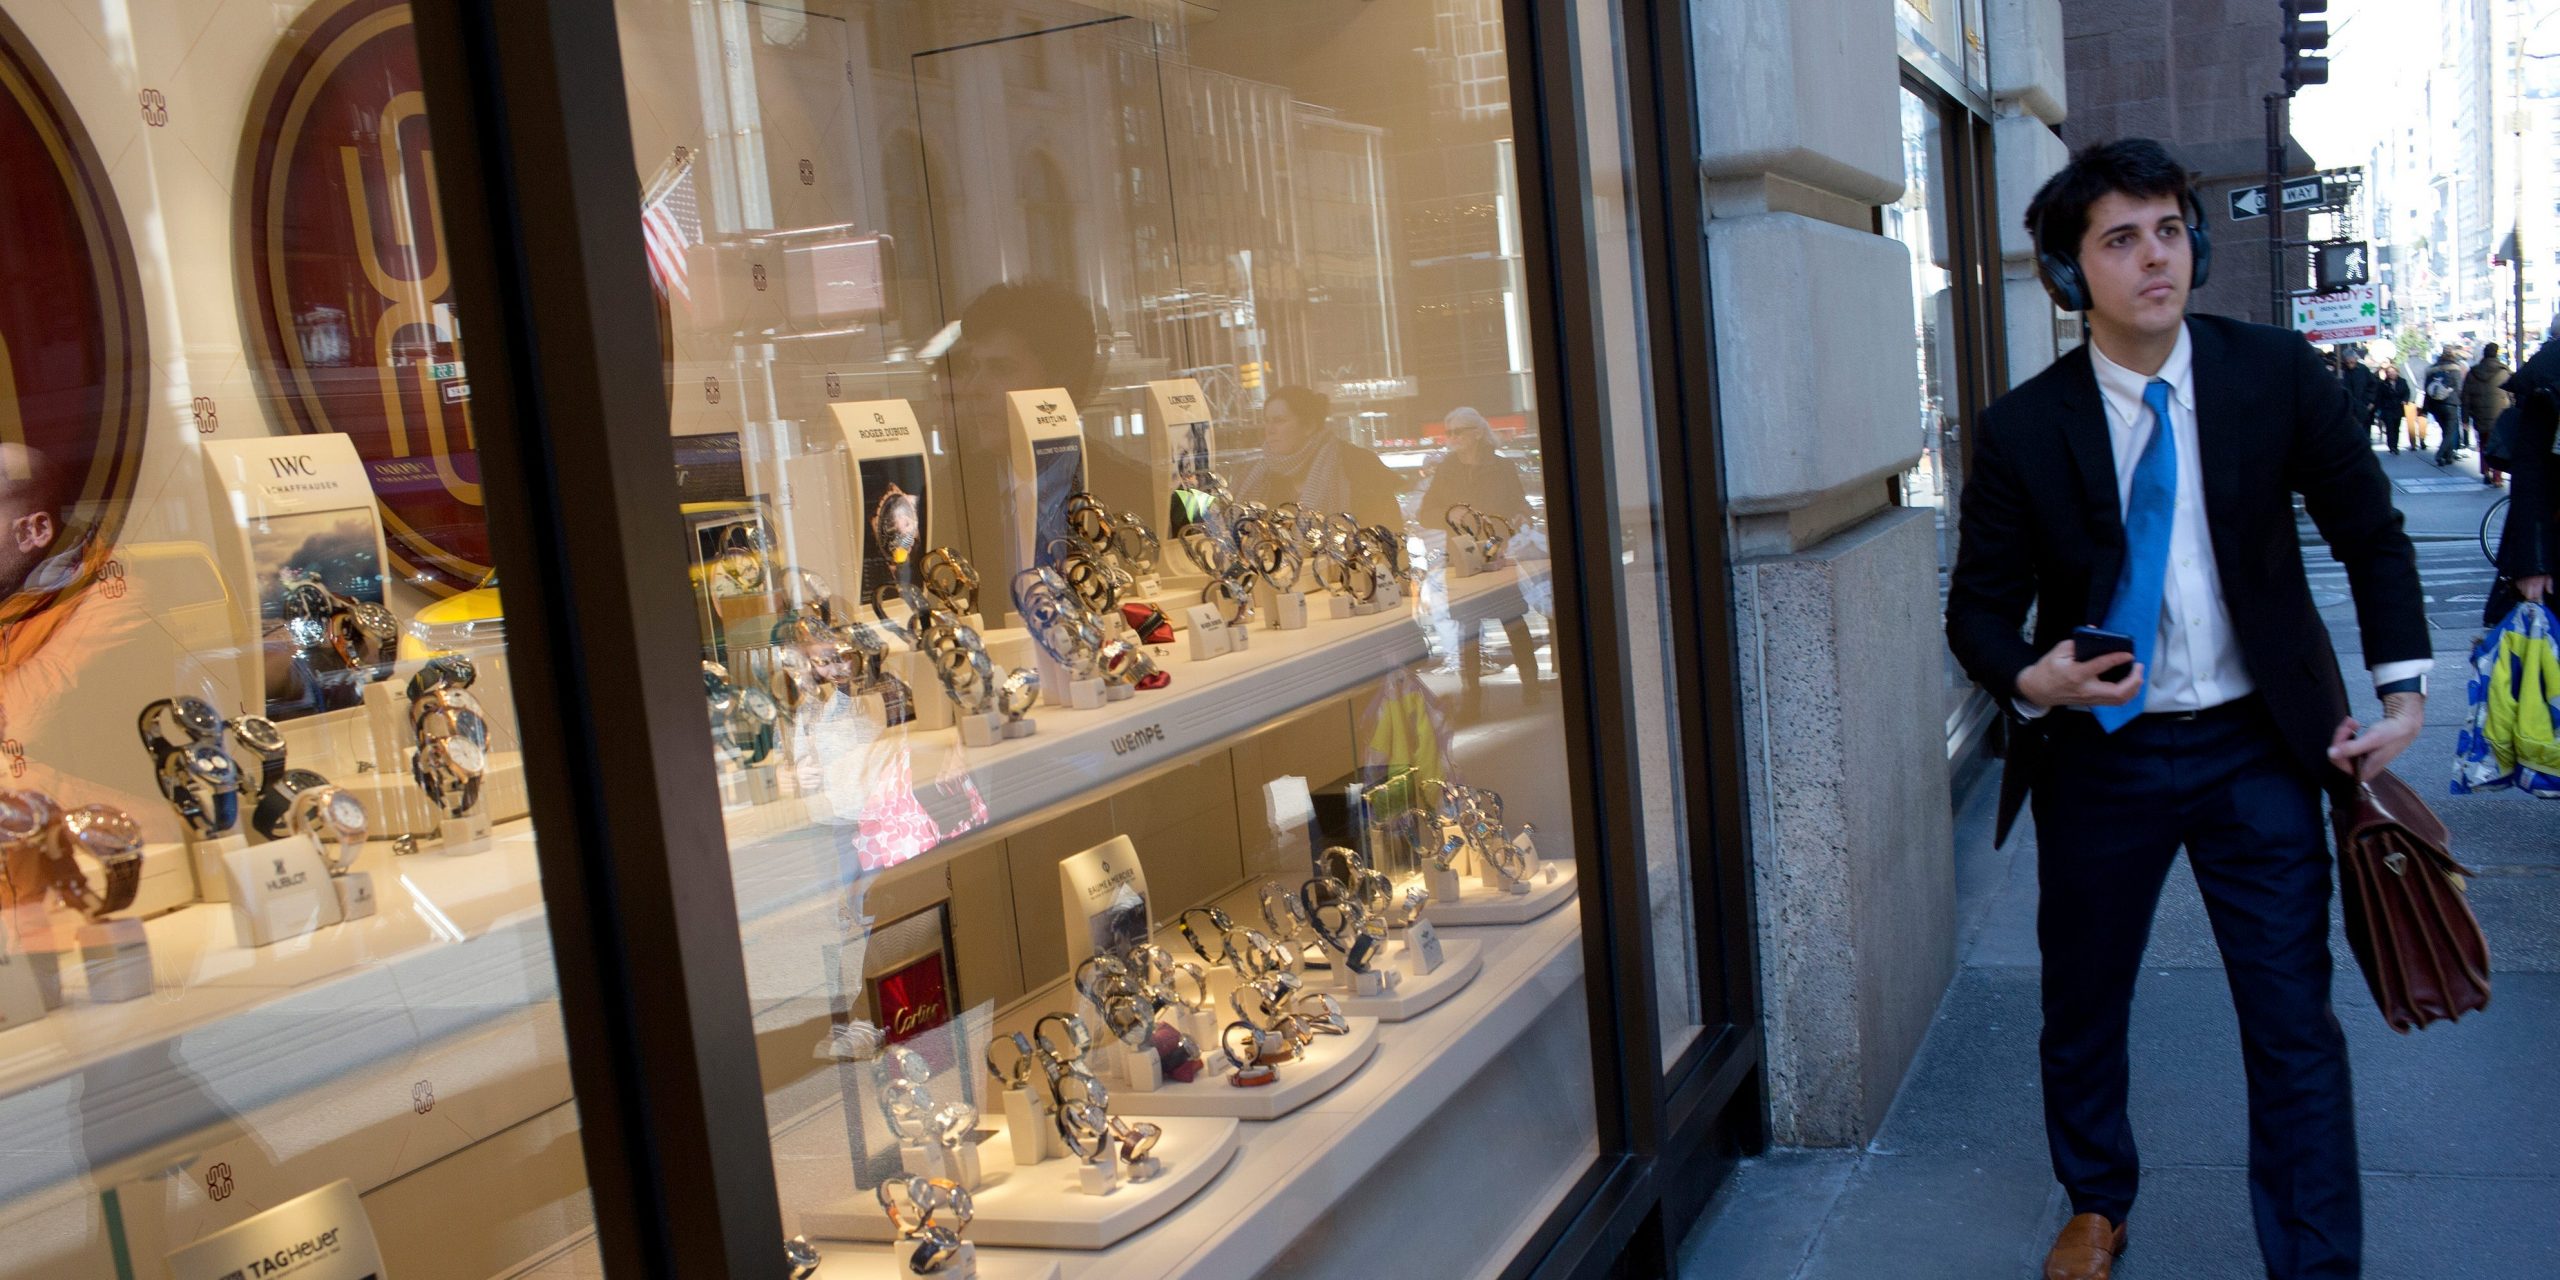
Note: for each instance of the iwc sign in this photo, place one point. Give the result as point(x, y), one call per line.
point(74, 362)
point(345, 289)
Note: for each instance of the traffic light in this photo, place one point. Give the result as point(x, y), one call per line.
point(2304, 37)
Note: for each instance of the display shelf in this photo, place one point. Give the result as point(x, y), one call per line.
point(1304, 1162)
point(454, 943)
point(857, 1262)
point(1041, 1206)
point(1477, 905)
point(1209, 701)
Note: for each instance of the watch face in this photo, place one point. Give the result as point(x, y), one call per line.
point(374, 620)
point(105, 832)
point(465, 756)
point(344, 811)
point(213, 766)
point(25, 813)
point(259, 734)
point(197, 717)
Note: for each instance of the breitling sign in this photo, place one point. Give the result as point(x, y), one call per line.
point(345, 287)
point(74, 364)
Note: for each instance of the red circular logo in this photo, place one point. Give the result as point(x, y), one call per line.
point(74, 357)
point(345, 283)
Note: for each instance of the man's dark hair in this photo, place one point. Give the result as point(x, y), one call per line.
point(2489, 352)
point(2059, 215)
point(1056, 322)
point(1308, 405)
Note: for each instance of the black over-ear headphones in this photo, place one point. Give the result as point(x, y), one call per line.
point(2061, 270)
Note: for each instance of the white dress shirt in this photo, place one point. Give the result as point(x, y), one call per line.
point(2195, 659)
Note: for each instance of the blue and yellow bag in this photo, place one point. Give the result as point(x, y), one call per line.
point(2515, 698)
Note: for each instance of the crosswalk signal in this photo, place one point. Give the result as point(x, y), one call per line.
point(2304, 37)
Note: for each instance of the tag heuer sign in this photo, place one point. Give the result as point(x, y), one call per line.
point(75, 363)
point(346, 290)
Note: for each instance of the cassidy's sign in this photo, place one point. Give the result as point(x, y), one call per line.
point(2344, 315)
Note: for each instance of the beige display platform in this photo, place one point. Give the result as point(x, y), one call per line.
point(1477, 905)
point(1040, 1207)
point(1324, 1064)
point(872, 1262)
point(1461, 959)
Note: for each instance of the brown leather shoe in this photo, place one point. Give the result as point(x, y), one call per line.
point(2087, 1249)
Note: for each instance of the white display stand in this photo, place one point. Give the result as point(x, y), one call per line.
point(980, 730)
point(1177, 412)
point(1207, 631)
point(115, 955)
point(279, 890)
point(355, 895)
point(207, 858)
point(1318, 1068)
point(1042, 1208)
point(1104, 891)
point(463, 836)
point(1048, 464)
point(290, 478)
point(1477, 905)
point(1461, 960)
point(168, 881)
point(886, 446)
point(21, 994)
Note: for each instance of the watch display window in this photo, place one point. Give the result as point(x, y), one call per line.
point(1160, 838)
point(1113, 517)
point(274, 971)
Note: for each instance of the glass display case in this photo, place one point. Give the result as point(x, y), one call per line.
point(1111, 481)
point(276, 965)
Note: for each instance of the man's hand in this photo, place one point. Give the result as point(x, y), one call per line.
point(2060, 679)
point(2366, 753)
point(2533, 588)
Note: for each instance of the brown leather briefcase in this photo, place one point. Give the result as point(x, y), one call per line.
point(2408, 917)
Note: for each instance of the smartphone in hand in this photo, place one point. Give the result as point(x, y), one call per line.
point(2089, 643)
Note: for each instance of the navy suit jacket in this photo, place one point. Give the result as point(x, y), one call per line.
point(2041, 527)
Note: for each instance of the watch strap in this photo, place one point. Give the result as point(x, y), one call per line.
point(2414, 684)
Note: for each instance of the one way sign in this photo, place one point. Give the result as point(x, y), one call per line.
point(2251, 202)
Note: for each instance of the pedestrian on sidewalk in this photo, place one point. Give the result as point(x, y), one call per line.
point(2362, 386)
point(2230, 718)
point(2390, 403)
point(2529, 545)
point(2443, 403)
point(2484, 397)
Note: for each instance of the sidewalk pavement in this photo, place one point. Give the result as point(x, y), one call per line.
point(2460, 1125)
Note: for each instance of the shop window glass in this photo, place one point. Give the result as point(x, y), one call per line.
point(1922, 220)
point(1112, 481)
point(276, 977)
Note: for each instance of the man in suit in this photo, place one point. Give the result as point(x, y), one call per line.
point(2143, 485)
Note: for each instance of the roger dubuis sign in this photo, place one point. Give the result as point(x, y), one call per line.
point(345, 288)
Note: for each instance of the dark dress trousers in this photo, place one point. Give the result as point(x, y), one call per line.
point(2238, 787)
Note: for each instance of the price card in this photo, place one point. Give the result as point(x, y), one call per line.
point(1422, 942)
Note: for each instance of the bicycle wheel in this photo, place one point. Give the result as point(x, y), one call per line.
point(2493, 525)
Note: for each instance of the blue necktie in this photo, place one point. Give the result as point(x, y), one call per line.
point(2149, 511)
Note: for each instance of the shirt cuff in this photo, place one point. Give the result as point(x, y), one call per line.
point(2027, 710)
point(2412, 669)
